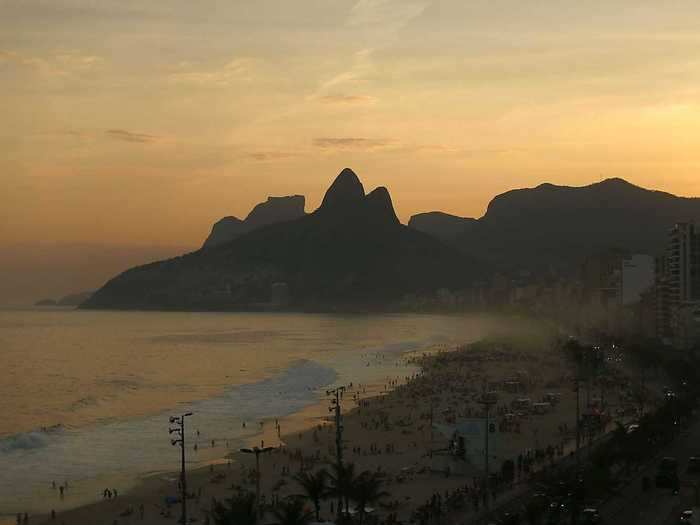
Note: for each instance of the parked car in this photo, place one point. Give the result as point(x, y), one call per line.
point(693, 465)
point(590, 516)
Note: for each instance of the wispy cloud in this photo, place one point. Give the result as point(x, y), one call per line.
point(235, 71)
point(385, 18)
point(397, 146)
point(352, 143)
point(377, 24)
point(57, 64)
point(7, 56)
point(269, 156)
point(347, 99)
point(361, 68)
point(129, 136)
point(436, 149)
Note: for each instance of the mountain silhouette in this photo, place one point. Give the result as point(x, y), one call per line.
point(275, 209)
point(441, 225)
point(558, 226)
point(352, 252)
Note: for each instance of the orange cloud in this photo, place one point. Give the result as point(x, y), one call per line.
point(347, 99)
point(352, 143)
point(129, 136)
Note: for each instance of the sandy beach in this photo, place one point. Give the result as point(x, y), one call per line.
point(387, 429)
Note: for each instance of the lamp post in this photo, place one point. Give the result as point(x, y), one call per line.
point(257, 451)
point(487, 401)
point(336, 394)
point(578, 423)
point(179, 431)
point(335, 407)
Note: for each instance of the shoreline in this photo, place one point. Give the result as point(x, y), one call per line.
point(306, 430)
point(295, 424)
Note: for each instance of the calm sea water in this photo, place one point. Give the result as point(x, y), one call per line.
point(86, 395)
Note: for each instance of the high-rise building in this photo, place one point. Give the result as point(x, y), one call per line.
point(683, 255)
point(677, 282)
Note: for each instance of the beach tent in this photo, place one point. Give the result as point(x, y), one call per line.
point(467, 436)
point(541, 408)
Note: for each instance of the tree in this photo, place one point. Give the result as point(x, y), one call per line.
point(341, 479)
point(292, 512)
point(367, 490)
point(315, 488)
point(239, 509)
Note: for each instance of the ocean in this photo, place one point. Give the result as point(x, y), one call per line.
point(86, 395)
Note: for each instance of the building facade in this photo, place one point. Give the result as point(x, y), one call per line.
point(677, 283)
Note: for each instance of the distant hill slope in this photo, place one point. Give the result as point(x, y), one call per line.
point(75, 299)
point(275, 209)
point(352, 252)
point(559, 225)
point(441, 225)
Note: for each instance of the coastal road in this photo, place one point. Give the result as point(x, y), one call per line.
point(656, 506)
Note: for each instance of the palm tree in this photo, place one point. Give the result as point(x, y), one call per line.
point(239, 509)
point(341, 479)
point(367, 490)
point(315, 488)
point(292, 512)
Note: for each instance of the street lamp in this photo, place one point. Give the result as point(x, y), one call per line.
point(179, 432)
point(336, 397)
point(487, 401)
point(577, 389)
point(257, 451)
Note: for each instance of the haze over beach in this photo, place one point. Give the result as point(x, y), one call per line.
point(349, 262)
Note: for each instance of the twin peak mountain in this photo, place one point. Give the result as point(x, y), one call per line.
point(345, 199)
point(353, 253)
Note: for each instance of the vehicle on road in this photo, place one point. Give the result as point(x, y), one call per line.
point(509, 519)
point(686, 517)
point(590, 516)
point(667, 475)
point(693, 465)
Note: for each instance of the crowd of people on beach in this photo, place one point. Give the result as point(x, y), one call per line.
point(398, 420)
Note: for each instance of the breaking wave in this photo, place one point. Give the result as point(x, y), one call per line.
point(24, 441)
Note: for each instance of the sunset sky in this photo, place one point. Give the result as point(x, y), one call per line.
point(139, 123)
